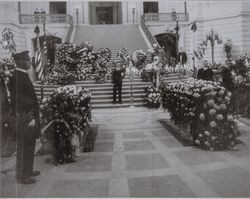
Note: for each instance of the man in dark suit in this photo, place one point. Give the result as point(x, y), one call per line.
point(205, 73)
point(182, 57)
point(227, 77)
point(25, 106)
point(117, 76)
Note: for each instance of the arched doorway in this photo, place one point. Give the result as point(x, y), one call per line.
point(168, 41)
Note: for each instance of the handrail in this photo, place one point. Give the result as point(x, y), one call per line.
point(147, 32)
point(47, 18)
point(70, 30)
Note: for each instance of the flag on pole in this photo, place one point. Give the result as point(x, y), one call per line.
point(40, 58)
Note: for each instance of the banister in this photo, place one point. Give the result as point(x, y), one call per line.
point(48, 18)
point(147, 32)
point(70, 30)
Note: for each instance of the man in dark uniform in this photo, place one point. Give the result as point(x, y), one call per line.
point(205, 73)
point(117, 76)
point(227, 77)
point(182, 57)
point(24, 104)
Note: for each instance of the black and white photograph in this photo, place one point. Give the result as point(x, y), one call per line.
point(124, 98)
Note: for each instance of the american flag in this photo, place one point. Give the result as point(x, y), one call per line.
point(40, 59)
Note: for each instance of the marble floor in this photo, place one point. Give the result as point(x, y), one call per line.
point(135, 156)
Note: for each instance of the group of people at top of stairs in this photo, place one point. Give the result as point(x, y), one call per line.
point(38, 14)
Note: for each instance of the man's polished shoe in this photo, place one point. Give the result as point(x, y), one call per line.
point(35, 173)
point(26, 181)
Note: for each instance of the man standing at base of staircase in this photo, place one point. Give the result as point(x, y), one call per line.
point(25, 106)
point(117, 76)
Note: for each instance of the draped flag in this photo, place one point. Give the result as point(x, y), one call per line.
point(40, 58)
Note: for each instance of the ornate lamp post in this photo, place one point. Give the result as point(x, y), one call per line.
point(133, 12)
point(77, 13)
point(194, 29)
point(177, 28)
point(213, 37)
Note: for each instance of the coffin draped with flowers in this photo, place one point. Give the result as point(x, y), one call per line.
point(68, 110)
point(205, 107)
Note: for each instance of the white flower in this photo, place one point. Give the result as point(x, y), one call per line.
point(213, 124)
point(219, 117)
point(210, 102)
point(207, 133)
point(212, 112)
point(202, 117)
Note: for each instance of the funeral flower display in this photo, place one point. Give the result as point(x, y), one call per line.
point(152, 97)
point(206, 107)
point(7, 67)
point(8, 40)
point(64, 54)
point(69, 110)
point(124, 56)
point(139, 59)
point(79, 63)
point(86, 53)
point(59, 75)
point(101, 66)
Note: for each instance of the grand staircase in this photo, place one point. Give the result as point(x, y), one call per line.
point(115, 37)
point(102, 94)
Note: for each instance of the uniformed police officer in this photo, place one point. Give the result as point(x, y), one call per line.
point(24, 104)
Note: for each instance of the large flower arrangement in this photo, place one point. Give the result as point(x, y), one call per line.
point(139, 59)
point(8, 40)
point(158, 51)
point(152, 97)
point(7, 67)
point(79, 63)
point(70, 111)
point(124, 56)
point(241, 69)
point(64, 54)
point(86, 53)
point(59, 75)
point(102, 69)
point(206, 108)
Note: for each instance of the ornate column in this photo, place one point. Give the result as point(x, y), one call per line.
point(86, 12)
point(124, 12)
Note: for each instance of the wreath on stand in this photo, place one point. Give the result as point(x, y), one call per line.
point(68, 110)
point(8, 40)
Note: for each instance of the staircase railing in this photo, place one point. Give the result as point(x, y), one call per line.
point(70, 30)
point(147, 32)
point(48, 19)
